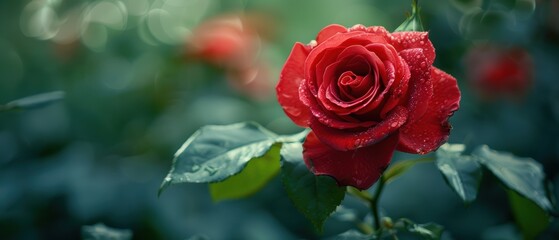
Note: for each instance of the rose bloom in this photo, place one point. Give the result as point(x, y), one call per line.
point(365, 93)
point(498, 71)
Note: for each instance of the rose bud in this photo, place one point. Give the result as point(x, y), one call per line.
point(496, 71)
point(365, 93)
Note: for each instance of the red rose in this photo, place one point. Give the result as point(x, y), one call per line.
point(497, 71)
point(366, 92)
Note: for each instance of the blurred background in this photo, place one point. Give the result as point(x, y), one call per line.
point(140, 76)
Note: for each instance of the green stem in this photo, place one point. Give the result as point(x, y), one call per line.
point(365, 228)
point(374, 206)
point(363, 195)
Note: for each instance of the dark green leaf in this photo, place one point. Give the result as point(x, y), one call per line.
point(352, 235)
point(507, 231)
point(401, 167)
point(531, 219)
point(257, 173)
point(413, 22)
point(462, 173)
point(35, 101)
point(101, 232)
point(523, 175)
point(215, 153)
point(430, 231)
point(315, 196)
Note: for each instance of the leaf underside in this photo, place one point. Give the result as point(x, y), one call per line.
point(315, 196)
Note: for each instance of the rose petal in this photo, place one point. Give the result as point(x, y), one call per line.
point(344, 140)
point(329, 90)
point(327, 117)
point(288, 86)
point(420, 87)
point(409, 40)
point(360, 168)
point(327, 57)
point(343, 39)
point(432, 130)
point(378, 30)
point(329, 31)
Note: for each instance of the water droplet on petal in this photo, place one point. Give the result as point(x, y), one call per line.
point(313, 43)
point(358, 27)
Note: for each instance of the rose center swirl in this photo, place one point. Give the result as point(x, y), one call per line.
point(357, 77)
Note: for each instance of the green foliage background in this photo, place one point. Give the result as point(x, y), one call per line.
point(131, 101)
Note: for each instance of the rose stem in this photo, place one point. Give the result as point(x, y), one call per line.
point(374, 205)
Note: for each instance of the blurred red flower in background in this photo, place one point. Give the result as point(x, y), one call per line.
point(233, 42)
point(496, 71)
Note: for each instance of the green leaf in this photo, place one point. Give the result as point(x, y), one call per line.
point(430, 231)
point(413, 22)
point(531, 219)
point(101, 232)
point(462, 173)
point(35, 101)
point(523, 175)
point(401, 167)
point(215, 153)
point(257, 173)
point(352, 235)
point(315, 196)
point(297, 137)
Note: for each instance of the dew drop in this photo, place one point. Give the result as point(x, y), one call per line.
point(358, 142)
point(421, 42)
point(313, 43)
point(211, 170)
point(358, 27)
